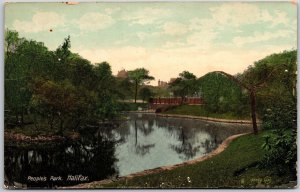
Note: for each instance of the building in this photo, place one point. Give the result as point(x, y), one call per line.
point(162, 83)
point(172, 80)
point(122, 74)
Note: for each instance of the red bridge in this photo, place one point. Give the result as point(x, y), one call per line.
point(176, 101)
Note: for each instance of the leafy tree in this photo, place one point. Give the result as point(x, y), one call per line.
point(139, 77)
point(106, 93)
point(124, 88)
point(145, 93)
point(278, 108)
point(80, 67)
point(185, 85)
point(23, 60)
point(55, 88)
point(223, 95)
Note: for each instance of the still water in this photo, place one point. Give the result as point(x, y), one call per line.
point(143, 141)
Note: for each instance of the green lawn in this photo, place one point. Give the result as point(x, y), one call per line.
point(234, 167)
point(198, 110)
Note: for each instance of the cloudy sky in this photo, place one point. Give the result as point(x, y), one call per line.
point(165, 38)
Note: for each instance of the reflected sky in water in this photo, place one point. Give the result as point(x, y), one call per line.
point(148, 141)
point(143, 141)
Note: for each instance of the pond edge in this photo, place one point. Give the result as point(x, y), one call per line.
point(208, 118)
point(215, 152)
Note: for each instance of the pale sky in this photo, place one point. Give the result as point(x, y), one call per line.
point(165, 38)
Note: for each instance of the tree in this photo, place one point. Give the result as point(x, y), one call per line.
point(106, 91)
point(185, 85)
point(139, 77)
point(145, 93)
point(24, 59)
point(124, 88)
point(252, 94)
point(222, 95)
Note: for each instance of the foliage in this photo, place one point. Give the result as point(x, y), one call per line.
point(282, 115)
point(145, 93)
point(124, 88)
point(278, 108)
point(276, 76)
point(222, 95)
point(59, 88)
point(281, 151)
point(185, 85)
point(139, 76)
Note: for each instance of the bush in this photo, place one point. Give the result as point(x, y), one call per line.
point(280, 146)
point(281, 150)
point(282, 115)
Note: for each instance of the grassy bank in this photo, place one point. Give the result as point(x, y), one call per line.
point(197, 110)
point(234, 167)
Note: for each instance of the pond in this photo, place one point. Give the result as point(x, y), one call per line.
point(143, 141)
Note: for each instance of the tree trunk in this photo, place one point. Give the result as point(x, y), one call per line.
point(253, 110)
point(135, 94)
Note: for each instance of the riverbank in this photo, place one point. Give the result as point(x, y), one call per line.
point(235, 167)
point(195, 117)
point(16, 137)
point(196, 110)
point(206, 118)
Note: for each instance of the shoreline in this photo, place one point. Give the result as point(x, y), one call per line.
point(215, 152)
point(208, 118)
point(19, 137)
point(196, 117)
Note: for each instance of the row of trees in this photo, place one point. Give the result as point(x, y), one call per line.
point(60, 89)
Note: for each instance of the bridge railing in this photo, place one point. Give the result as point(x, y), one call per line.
point(176, 101)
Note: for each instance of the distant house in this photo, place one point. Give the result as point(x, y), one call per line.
point(122, 74)
point(162, 83)
point(172, 80)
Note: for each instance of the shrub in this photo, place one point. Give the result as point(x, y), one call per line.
point(281, 150)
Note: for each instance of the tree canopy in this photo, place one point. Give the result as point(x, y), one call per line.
point(139, 76)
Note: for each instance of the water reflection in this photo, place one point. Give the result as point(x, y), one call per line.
point(139, 143)
point(149, 141)
point(91, 156)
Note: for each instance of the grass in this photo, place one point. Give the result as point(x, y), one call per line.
point(197, 110)
point(233, 168)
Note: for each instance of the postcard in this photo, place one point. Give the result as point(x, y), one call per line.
point(173, 95)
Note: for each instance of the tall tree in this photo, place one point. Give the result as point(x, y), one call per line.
point(139, 76)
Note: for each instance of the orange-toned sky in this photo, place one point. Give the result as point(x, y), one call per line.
point(165, 38)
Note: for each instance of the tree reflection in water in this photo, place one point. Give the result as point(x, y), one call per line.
point(143, 126)
point(150, 141)
point(92, 156)
point(139, 143)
